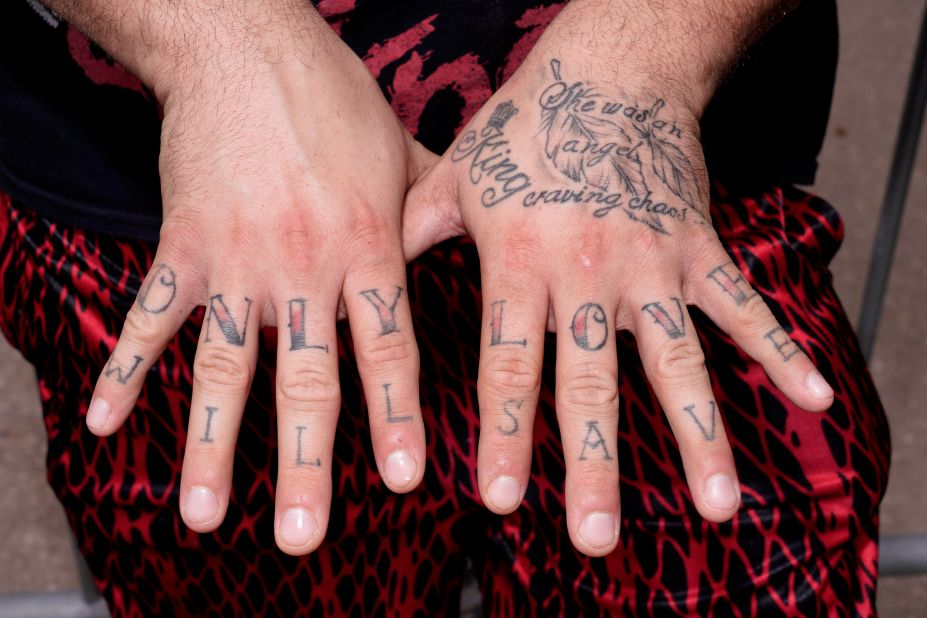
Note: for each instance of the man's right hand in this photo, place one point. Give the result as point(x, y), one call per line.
point(283, 172)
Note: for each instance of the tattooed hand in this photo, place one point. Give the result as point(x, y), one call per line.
point(588, 202)
point(282, 182)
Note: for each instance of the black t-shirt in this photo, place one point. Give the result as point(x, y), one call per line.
point(79, 136)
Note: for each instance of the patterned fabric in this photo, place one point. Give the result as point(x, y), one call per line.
point(804, 542)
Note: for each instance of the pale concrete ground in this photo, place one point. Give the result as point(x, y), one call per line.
point(878, 41)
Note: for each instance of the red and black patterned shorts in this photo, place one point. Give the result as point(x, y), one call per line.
point(804, 542)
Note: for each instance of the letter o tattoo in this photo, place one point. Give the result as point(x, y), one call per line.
point(590, 327)
point(158, 299)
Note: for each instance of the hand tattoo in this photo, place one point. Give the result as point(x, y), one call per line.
point(594, 441)
point(386, 313)
point(590, 327)
point(157, 300)
point(210, 410)
point(217, 309)
point(661, 316)
point(390, 418)
point(297, 326)
point(495, 326)
point(732, 282)
point(299, 450)
point(489, 160)
point(707, 432)
point(507, 406)
point(621, 149)
point(783, 343)
point(122, 374)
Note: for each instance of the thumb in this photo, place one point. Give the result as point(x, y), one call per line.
point(431, 212)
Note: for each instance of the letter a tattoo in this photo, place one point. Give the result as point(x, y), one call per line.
point(592, 427)
point(386, 313)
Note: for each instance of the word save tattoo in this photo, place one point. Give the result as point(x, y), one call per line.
point(507, 407)
point(707, 428)
point(593, 441)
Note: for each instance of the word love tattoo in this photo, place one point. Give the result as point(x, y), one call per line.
point(210, 411)
point(707, 429)
point(153, 299)
point(594, 441)
point(620, 151)
point(495, 327)
point(590, 327)
point(297, 326)
point(219, 312)
point(386, 312)
point(731, 281)
point(783, 343)
point(390, 417)
point(675, 328)
point(490, 164)
point(507, 407)
point(299, 450)
point(122, 373)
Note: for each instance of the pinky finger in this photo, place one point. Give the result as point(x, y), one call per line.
point(158, 312)
point(740, 311)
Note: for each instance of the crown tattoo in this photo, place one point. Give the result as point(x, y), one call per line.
point(502, 114)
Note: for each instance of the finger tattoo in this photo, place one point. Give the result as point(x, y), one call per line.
point(385, 312)
point(219, 311)
point(153, 299)
point(675, 329)
point(210, 411)
point(122, 373)
point(299, 450)
point(707, 428)
point(495, 325)
point(390, 417)
point(590, 327)
point(507, 407)
point(729, 278)
point(783, 343)
point(297, 326)
point(593, 441)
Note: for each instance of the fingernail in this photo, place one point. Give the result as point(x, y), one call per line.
point(504, 492)
point(599, 529)
point(818, 386)
point(297, 527)
point(720, 492)
point(400, 469)
point(201, 505)
point(98, 413)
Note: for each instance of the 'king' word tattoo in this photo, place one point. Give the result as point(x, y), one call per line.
point(594, 441)
point(219, 312)
point(507, 407)
point(707, 429)
point(299, 450)
point(297, 326)
point(495, 327)
point(122, 373)
point(590, 327)
point(386, 312)
point(783, 343)
point(390, 417)
point(153, 299)
point(490, 163)
point(675, 328)
point(620, 152)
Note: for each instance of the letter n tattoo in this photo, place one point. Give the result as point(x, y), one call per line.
point(386, 313)
point(593, 441)
point(495, 325)
point(297, 326)
point(217, 309)
point(122, 374)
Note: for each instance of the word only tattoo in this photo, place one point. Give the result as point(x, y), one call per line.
point(386, 312)
point(297, 326)
point(159, 291)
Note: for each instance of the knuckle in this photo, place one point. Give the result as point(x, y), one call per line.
point(388, 351)
point(677, 360)
point(369, 229)
point(308, 386)
point(590, 386)
point(522, 251)
point(215, 367)
point(598, 475)
point(755, 314)
point(510, 372)
point(142, 329)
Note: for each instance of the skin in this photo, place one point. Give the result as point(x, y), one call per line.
point(583, 184)
point(589, 218)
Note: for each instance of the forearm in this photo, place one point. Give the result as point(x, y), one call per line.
point(684, 46)
point(165, 42)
